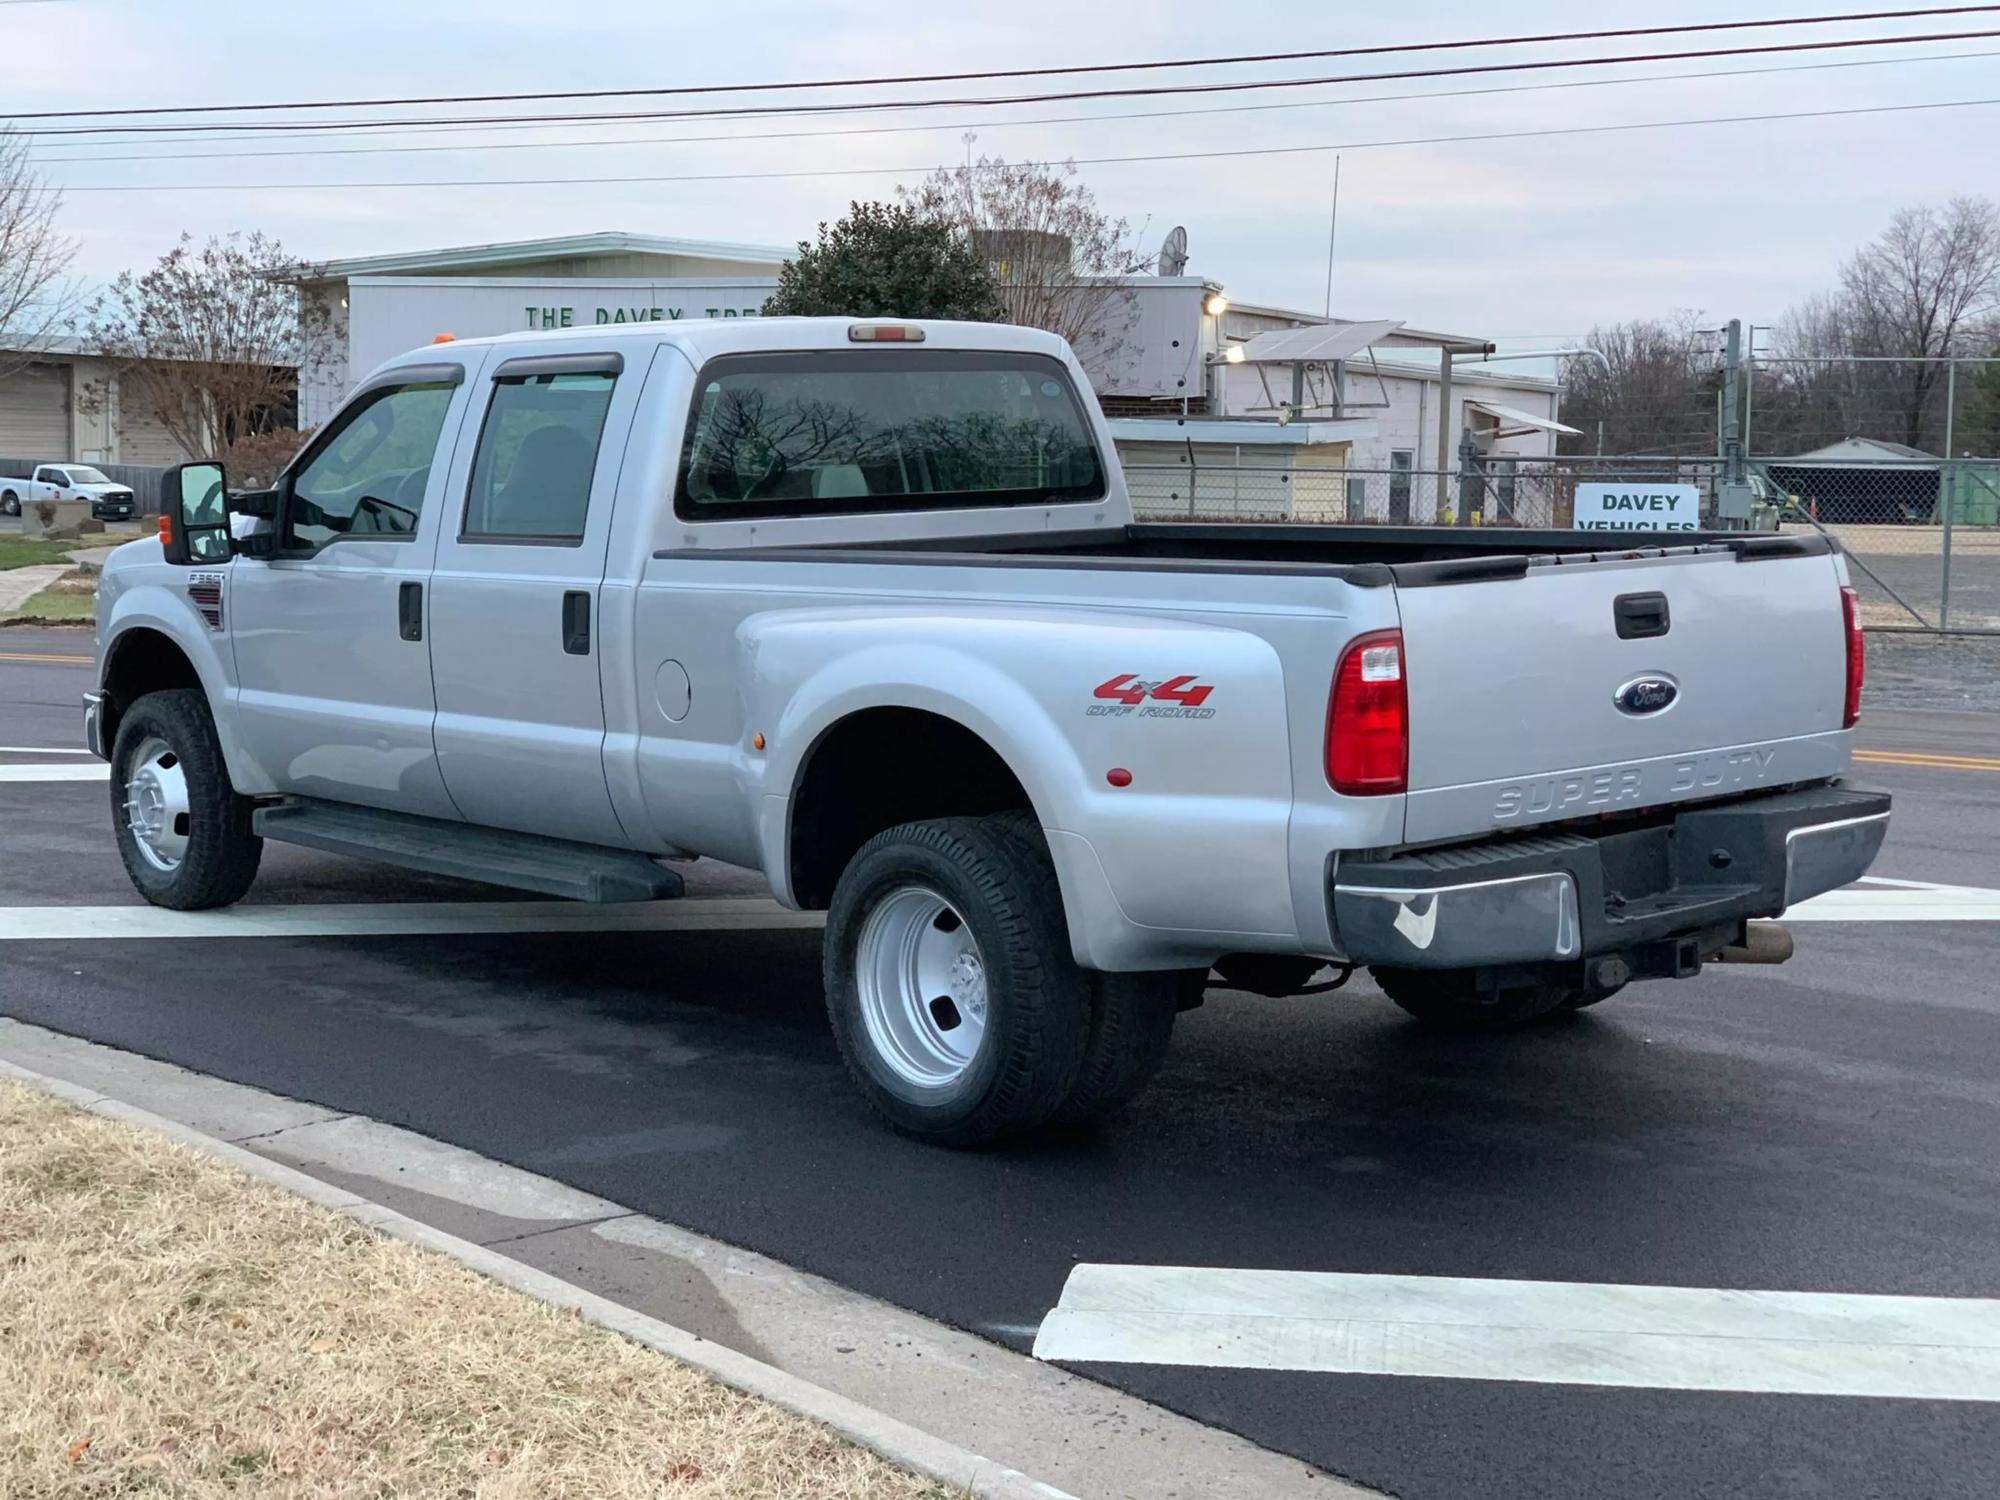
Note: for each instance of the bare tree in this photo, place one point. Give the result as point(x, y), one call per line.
point(36, 294)
point(1653, 392)
point(209, 341)
point(1927, 287)
point(1060, 260)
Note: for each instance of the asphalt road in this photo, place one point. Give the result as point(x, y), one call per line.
point(1829, 1125)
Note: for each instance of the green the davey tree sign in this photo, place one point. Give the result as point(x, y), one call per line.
point(565, 317)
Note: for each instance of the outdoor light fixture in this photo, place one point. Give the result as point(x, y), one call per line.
point(1233, 355)
point(1215, 304)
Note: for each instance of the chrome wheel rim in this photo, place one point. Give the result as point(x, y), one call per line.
point(922, 985)
point(156, 805)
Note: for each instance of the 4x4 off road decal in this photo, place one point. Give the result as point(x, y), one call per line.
point(1170, 698)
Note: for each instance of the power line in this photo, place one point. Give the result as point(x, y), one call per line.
point(989, 101)
point(1081, 161)
point(1156, 114)
point(1049, 72)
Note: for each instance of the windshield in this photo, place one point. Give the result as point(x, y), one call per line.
point(83, 474)
point(813, 433)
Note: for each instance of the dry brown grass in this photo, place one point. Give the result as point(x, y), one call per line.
point(171, 1326)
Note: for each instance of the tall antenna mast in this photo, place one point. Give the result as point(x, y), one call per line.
point(1332, 232)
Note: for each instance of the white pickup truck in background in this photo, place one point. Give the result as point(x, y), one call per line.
point(863, 605)
point(109, 500)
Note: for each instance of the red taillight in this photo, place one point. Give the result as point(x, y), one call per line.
point(1850, 611)
point(1368, 718)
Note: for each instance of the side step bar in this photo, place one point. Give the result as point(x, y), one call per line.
point(525, 861)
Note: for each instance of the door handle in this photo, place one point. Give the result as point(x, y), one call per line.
point(576, 622)
point(410, 611)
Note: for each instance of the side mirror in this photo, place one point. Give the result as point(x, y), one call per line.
point(194, 514)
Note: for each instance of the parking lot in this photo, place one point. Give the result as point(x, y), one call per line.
point(1829, 1126)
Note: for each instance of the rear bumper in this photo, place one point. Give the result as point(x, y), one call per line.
point(1567, 896)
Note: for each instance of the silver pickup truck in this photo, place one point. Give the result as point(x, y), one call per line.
point(862, 605)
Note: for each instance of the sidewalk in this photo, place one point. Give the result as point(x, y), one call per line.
point(19, 585)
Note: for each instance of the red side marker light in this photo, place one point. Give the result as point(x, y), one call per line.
point(1118, 776)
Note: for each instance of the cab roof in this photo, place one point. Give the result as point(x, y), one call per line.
point(703, 338)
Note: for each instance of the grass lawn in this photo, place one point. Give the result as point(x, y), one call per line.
point(26, 551)
point(171, 1326)
point(58, 603)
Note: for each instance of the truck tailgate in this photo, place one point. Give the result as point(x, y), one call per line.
point(1610, 683)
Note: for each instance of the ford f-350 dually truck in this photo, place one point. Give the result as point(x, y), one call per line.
point(862, 604)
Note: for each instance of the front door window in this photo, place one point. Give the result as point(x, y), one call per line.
point(368, 474)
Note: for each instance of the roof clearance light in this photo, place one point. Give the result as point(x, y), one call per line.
point(884, 333)
point(444, 338)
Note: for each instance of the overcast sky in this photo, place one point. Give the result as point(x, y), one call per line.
point(1521, 239)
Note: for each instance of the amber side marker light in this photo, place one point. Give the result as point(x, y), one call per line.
point(166, 525)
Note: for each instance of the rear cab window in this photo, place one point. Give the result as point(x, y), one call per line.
point(827, 432)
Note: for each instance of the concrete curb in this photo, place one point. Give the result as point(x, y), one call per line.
point(894, 1440)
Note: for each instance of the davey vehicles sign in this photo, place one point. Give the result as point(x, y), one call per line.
point(1638, 506)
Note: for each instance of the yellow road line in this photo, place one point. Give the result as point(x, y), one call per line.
point(1927, 760)
point(38, 656)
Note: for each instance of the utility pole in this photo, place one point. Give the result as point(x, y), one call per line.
point(1732, 494)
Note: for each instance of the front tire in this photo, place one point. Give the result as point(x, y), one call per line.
point(182, 830)
point(957, 1007)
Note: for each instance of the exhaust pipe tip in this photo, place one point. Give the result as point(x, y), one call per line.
point(1763, 943)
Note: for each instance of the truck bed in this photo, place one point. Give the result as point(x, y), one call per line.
point(1408, 556)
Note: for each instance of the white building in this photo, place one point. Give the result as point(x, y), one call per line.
point(59, 401)
point(365, 309)
point(1161, 363)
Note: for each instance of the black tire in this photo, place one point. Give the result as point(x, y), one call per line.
point(222, 852)
point(1448, 1000)
point(1131, 1015)
point(1037, 999)
point(1131, 1025)
point(10, 504)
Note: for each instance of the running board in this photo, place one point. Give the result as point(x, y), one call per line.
point(525, 861)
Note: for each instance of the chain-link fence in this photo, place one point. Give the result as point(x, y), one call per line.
point(1922, 535)
point(1492, 492)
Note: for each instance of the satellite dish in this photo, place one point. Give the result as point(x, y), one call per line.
point(1173, 252)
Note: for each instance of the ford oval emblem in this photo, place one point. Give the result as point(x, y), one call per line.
point(1647, 695)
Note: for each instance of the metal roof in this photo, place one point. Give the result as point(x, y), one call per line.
point(515, 252)
point(1513, 416)
point(1322, 343)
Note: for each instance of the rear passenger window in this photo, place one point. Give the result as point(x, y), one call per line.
point(537, 451)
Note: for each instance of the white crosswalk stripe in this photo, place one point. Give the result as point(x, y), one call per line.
point(92, 770)
point(1545, 1332)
